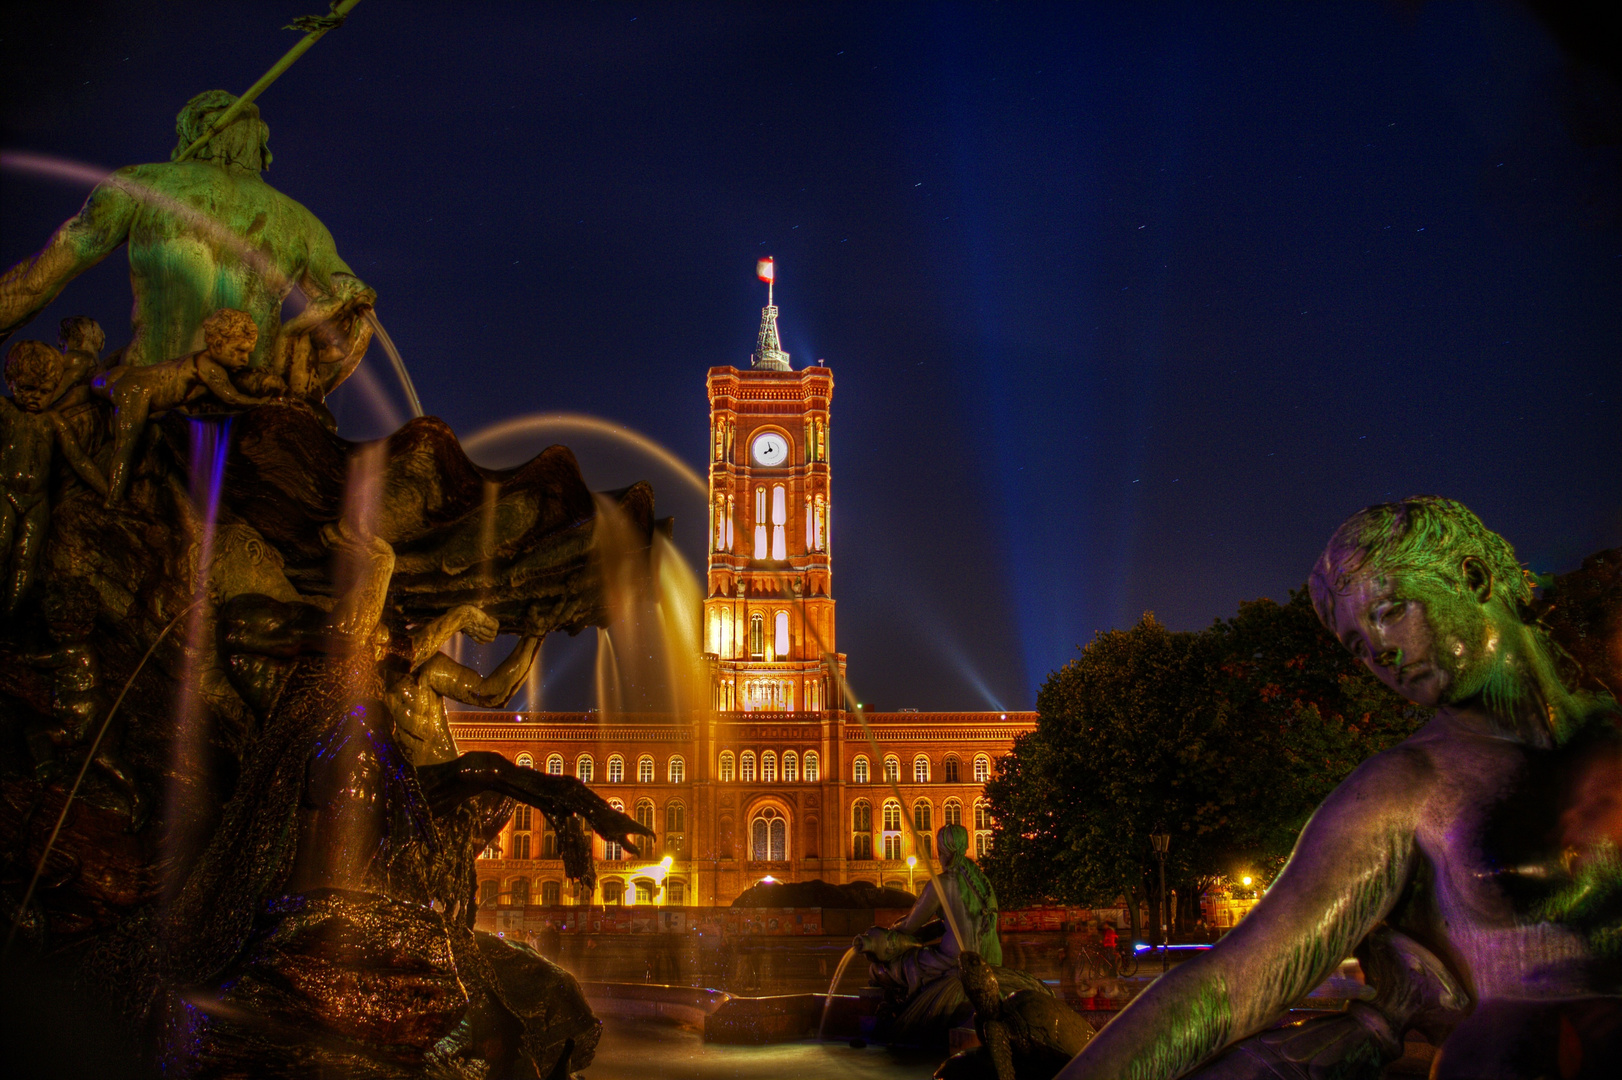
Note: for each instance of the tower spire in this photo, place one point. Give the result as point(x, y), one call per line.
point(769, 355)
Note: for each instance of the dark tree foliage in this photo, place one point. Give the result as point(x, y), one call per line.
point(1228, 738)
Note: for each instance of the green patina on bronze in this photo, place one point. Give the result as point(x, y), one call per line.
point(1205, 1026)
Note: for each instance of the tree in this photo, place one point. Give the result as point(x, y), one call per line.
point(1228, 738)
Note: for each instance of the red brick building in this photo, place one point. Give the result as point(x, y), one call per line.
point(779, 779)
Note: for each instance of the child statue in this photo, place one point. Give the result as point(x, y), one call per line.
point(229, 337)
point(30, 433)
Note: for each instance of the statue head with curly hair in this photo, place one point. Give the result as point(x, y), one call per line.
point(243, 143)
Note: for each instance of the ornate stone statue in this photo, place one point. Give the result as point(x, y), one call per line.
point(249, 250)
point(229, 337)
point(916, 960)
point(1486, 846)
point(30, 435)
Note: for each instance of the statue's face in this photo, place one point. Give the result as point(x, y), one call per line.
point(31, 391)
point(1432, 644)
point(234, 351)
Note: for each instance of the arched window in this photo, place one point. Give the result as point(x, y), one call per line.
point(820, 542)
point(982, 815)
point(892, 769)
point(675, 828)
point(554, 765)
point(746, 766)
point(677, 770)
point(949, 769)
point(525, 761)
point(768, 767)
point(768, 836)
point(549, 839)
point(920, 769)
point(757, 636)
point(612, 852)
point(644, 813)
point(613, 892)
point(489, 892)
point(644, 769)
point(726, 765)
point(922, 823)
point(643, 891)
point(518, 892)
point(892, 829)
point(779, 523)
point(584, 768)
point(860, 772)
point(519, 847)
point(781, 648)
point(550, 893)
point(982, 768)
point(952, 813)
point(760, 522)
point(812, 774)
point(861, 829)
point(616, 769)
point(791, 767)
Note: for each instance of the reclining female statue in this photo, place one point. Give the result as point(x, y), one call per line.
point(1475, 865)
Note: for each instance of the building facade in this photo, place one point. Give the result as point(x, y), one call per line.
point(779, 779)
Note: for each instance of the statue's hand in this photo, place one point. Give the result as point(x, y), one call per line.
point(478, 625)
point(611, 824)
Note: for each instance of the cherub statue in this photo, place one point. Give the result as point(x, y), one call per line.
point(81, 340)
point(30, 433)
point(138, 392)
point(79, 702)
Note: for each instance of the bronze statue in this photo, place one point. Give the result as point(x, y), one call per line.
point(30, 434)
point(1487, 843)
point(249, 251)
point(229, 337)
point(1027, 1035)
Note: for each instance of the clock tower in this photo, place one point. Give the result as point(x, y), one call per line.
point(769, 609)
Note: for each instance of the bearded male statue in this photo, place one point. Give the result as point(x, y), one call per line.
point(1474, 867)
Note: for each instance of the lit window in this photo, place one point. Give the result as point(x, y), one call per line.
point(616, 769)
point(757, 636)
point(613, 892)
point(518, 892)
point(781, 647)
point(892, 769)
point(791, 767)
point(746, 766)
point(952, 813)
point(644, 813)
point(779, 523)
point(920, 770)
point(949, 768)
point(861, 829)
point(549, 893)
point(982, 844)
point(768, 767)
point(982, 815)
point(675, 829)
point(677, 770)
point(726, 765)
point(612, 852)
point(522, 817)
point(525, 761)
point(760, 522)
point(861, 770)
point(644, 770)
point(892, 829)
point(982, 768)
point(811, 772)
point(675, 893)
point(489, 892)
point(921, 823)
point(583, 767)
point(549, 839)
point(820, 533)
point(554, 765)
point(768, 836)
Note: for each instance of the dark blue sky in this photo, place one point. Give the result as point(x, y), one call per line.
point(1128, 305)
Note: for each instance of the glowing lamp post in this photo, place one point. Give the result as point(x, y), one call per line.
point(912, 861)
point(1161, 841)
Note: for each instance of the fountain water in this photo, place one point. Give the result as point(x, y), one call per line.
point(833, 986)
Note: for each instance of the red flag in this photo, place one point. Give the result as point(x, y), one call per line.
point(763, 269)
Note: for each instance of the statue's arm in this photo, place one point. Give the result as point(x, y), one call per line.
point(927, 907)
point(1348, 868)
point(95, 232)
point(492, 691)
point(77, 458)
point(426, 640)
point(219, 383)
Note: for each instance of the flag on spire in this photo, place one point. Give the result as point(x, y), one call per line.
point(763, 269)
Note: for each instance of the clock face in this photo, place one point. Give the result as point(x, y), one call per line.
point(769, 449)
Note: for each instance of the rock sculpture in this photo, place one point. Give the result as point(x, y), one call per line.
point(1482, 851)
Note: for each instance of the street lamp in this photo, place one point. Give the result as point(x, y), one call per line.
point(1161, 841)
point(912, 861)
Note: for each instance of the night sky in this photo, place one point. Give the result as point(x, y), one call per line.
point(1127, 305)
